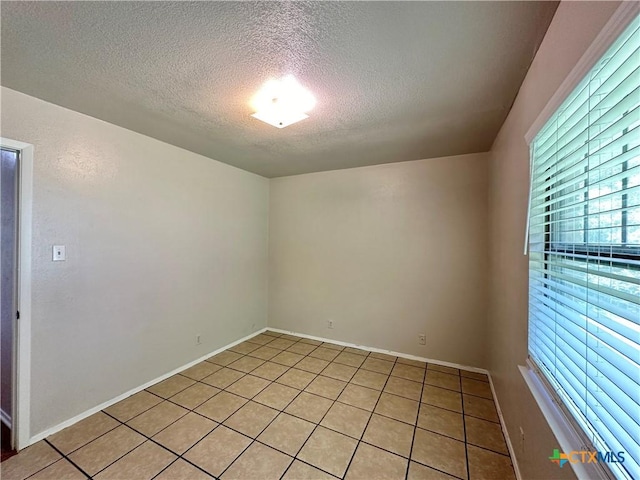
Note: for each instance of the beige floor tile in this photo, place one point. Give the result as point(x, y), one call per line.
point(225, 358)
point(346, 419)
point(265, 353)
point(29, 461)
point(106, 449)
point(443, 369)
point(270, 370)
point(313, 365)
point(404, 388)
point(276, 396)
point(272, 334)
point(287, 336)
point(439, 420)
point(442, 397)
point(400, 408)
point(476, 387)
point(332, 346)
point(62, 469)
point(181, 470)
point(360, 397)
point(244, 348)
point(310, 341)
point(326, 387)
point(413, 363)
point(222, 406)
point(222, 378)
point(442, 380)
point(248, 386)
point(309, 407)
point(351, 359)
point(329, 451)
point(246, 364)
point(251, 419)
point(339, 371)
point(377, 365)
point(486, 465)
point(366, 378)
point(302, 471)
point(301, 348)
point(281, 343)
point(357, 351)
point(371, 462)
point(480, 407)
point(261, 339)
point(485, 434)
point(322, 353)
point(440, 452)
point(172, 385)
point(215, 452)
point(483, 377)
point(75, 436)
point(408, 372)
point(383, 356)
point(133, 405)
point(155, 419)
point(194, 396)
point(287, 433)
point(389, 434)
point(287, 358)
point(296, 378)
point(186, 432)
point(143, 463)
point(422, 472)
point(258, 462)
point(200, 370)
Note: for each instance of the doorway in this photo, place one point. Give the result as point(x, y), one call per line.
point(16, 190)
point(9, 176)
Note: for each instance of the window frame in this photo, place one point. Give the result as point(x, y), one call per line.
point(568, 431)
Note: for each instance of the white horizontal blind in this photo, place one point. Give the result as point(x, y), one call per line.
point(584, 259)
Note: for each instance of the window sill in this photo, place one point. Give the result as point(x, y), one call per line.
point(568, 438)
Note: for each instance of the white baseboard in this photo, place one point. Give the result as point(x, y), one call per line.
point(5, 418)
point(512, 452)
point(380, 350)
point(67, 423)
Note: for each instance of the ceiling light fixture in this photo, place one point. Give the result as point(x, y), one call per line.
point(282, 102)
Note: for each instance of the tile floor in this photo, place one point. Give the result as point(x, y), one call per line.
point(283, 407)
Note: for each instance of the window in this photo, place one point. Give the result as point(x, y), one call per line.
point(584, 247)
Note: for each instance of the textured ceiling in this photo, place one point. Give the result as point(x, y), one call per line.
point(394, 81)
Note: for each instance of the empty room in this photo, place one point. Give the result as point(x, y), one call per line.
point(320, 240)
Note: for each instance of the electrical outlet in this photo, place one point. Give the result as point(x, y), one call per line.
point(329, 323)
point(198, 339)
point(521, 440)
point(422, 339)
point(59, 253)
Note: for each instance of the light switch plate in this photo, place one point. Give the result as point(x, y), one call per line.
point(59, 253)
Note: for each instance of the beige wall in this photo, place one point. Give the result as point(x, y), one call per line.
point(162, 245)
point(387, 252)
point(572, 30)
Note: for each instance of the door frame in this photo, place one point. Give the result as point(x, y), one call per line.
point(21, 377)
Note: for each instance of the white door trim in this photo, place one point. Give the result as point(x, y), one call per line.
point(21, 407)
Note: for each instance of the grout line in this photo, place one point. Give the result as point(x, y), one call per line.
point(62, 457)
point(370, 416)
point(415, 427)
point(464, 430)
